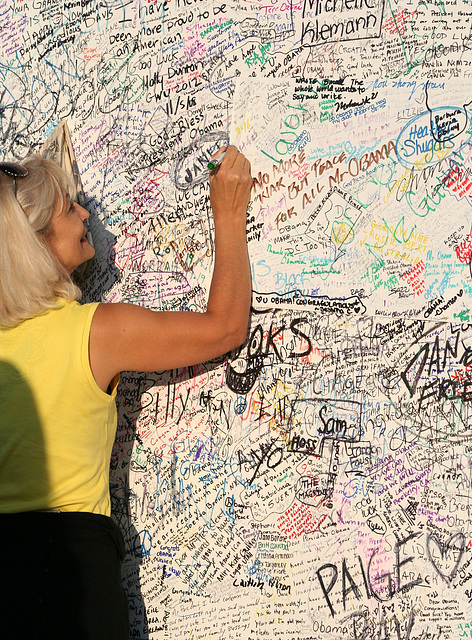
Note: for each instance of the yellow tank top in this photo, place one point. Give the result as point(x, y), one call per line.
point(56, 425)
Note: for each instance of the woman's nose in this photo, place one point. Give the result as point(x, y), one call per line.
point(83, 213)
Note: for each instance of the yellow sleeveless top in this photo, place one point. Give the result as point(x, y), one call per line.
point(56, 425)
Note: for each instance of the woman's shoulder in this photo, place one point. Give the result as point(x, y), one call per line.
point(64, 313)
point(75, 307)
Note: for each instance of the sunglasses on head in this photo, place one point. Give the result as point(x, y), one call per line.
point(13, 170)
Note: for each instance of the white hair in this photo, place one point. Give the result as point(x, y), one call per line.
point(31, 277)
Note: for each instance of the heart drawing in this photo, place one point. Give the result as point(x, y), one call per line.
point(446, 557)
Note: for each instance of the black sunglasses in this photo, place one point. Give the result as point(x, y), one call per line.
point(13, 170)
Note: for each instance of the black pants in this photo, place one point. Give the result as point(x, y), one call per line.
point(60, 577)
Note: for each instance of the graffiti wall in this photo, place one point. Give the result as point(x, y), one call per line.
point(315, 483)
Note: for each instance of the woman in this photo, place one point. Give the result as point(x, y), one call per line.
point(59, 368)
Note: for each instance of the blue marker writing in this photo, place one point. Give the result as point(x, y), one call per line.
point(217, 161)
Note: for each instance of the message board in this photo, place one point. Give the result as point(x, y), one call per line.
point(315, 483)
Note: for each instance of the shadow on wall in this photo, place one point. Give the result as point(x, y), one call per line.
point(122, 499)
point(102, 272)
point(135, 498)
point(101, 275)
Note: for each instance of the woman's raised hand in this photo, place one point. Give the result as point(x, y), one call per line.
point(230, 186)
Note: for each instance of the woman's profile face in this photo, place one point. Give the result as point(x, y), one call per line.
point(67, 234)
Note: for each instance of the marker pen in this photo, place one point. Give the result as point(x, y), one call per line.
point(217, 161)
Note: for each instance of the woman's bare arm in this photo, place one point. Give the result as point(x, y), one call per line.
point(128, 337)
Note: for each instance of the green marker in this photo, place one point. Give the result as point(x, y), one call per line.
point(216, 162)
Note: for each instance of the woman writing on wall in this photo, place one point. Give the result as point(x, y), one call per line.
point(59, 368)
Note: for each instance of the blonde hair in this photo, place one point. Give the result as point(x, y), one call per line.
point(31, 277)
